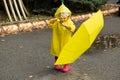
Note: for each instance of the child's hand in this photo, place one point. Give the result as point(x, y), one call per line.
point(47, 22)
point(51, 21)
point(67, 26)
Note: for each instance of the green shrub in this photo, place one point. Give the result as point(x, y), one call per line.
point(1, 5)
point(85, 5)
point(48, 7)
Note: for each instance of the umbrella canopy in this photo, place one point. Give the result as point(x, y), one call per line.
point(82, 39)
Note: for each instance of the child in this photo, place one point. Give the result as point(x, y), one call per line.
point(62, 28)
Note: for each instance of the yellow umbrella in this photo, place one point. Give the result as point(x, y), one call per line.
point(82, 39)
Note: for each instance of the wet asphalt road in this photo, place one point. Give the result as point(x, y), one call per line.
point(25, 56)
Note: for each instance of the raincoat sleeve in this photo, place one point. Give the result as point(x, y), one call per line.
point(72, 26)
point(51, 23)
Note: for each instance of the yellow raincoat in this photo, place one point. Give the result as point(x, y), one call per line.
point(60, 34)
point(82, 39)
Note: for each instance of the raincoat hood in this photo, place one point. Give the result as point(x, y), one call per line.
point(63, 11)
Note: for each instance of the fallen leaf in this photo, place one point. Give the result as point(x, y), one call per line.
point(20, 46)
point(48, 67)
point(3, 40)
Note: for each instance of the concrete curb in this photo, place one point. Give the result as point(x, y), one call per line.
point(29, 26)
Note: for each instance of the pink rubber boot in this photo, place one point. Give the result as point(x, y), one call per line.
point(57, 67)
point(66, 68)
